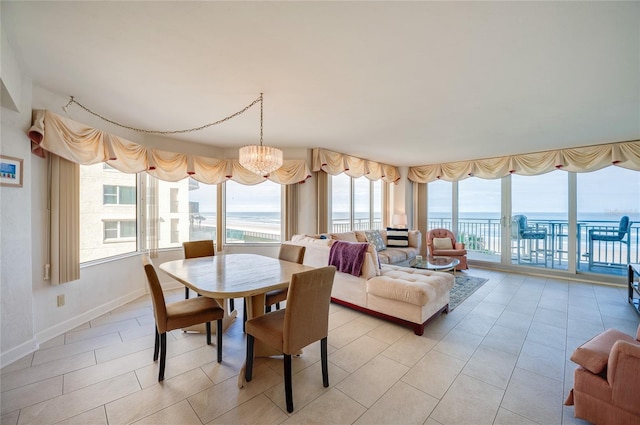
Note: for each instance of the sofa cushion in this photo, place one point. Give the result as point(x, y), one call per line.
point(410, 285)
point(374, 237)
point(593, 355)
point(442, 243)
point(345, 236)
point(360, 236)
point(393, 255)
point(307, 240)
point(397, 237)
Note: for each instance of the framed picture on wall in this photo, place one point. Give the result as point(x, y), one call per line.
point(10, 171)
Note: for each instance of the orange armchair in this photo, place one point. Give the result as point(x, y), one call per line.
point(442, 242)
point(606, 383)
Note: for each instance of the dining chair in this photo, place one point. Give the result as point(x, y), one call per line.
point(288, 252)
point(196, 249)
point(304, 320)
point(180, 314)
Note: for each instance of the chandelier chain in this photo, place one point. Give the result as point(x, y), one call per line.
point(188, 130)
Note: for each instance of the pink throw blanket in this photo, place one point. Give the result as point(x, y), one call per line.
point(348, 256)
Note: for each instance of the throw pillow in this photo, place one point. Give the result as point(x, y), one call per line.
point(442, 243)
point(374, 237)
point(397, 237)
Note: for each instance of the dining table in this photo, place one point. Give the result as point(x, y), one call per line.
point(226, 276)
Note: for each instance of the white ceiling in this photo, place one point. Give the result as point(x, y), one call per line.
point(402, 83)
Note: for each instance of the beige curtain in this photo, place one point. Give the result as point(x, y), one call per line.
point(335, 163)
point(85, 145)
point(64, 220)
point(152, 217)
point(322, 199)
point(291, 211)
point(581, 159)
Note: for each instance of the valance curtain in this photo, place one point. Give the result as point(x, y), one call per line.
point(84, 145)
point(582, 159)
point(335, 163)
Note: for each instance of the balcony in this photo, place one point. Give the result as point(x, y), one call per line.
point(482, 238)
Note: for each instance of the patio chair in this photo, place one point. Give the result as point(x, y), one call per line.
point(524, 234)
point(603, 235)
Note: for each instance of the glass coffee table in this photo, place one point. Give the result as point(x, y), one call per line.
point(437, 263)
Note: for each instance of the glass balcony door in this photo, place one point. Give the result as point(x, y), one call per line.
point(479, 218)
point(539, 224)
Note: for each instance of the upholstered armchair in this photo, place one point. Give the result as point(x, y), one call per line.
point(606, 387)
point(442, 242)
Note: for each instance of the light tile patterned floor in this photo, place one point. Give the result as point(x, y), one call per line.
point(502, 357)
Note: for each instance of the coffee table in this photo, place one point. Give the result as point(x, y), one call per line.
point(436, 263)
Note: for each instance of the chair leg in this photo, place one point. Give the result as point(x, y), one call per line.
point(267, 308)
point(208, 325)
point(219, 339)
point(277, 306)
point(156, 346)
point(288, 392)
point(232, 305)
point(186, 293)
point(325, 362)
point(163, 355)
point(248, 371)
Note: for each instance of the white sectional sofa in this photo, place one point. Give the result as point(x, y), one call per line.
point(404, 295)
point(389, 255)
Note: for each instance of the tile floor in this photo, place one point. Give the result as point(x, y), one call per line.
point(501, 357)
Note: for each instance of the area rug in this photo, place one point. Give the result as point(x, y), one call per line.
point(465, 286)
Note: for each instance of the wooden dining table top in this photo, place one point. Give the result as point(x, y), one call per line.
point(233, 275)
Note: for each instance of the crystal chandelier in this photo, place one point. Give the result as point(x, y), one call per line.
point(261, 159)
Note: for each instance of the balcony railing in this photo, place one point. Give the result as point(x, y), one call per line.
point(482, 238)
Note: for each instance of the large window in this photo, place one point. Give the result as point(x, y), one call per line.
point(479, 224)
point(439, 205)
point(356, 204)
point(543, 201)
point(107, 212)
point(253, 213)
point(603, 198)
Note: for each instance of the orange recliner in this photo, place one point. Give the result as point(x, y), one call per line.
point(441, 242)
point(606, 387)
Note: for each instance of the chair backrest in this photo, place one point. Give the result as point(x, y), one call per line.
point(157, 297)
point(293, 253)
point(440, 233)
point(195, 249)
point(624, 228)
point(306, 318)
point(518, 225)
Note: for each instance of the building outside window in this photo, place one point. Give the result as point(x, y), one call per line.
point(108, 212)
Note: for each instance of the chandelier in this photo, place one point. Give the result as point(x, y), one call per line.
point(260, 159)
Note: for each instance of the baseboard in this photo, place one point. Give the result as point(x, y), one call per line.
point(16, 353)
point(80, 319)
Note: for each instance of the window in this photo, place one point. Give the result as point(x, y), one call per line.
point(480, 210)
point(108, 212)
point(175, 203)
point(114, 230)
point(356, 203)
point(184, 210)
point(439, 205)
point(119, 195)
point(603, 197)
point(253, 213)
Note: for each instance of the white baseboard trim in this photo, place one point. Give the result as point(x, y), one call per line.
point(16, 353)
point(28, 347)
point(80, 319)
